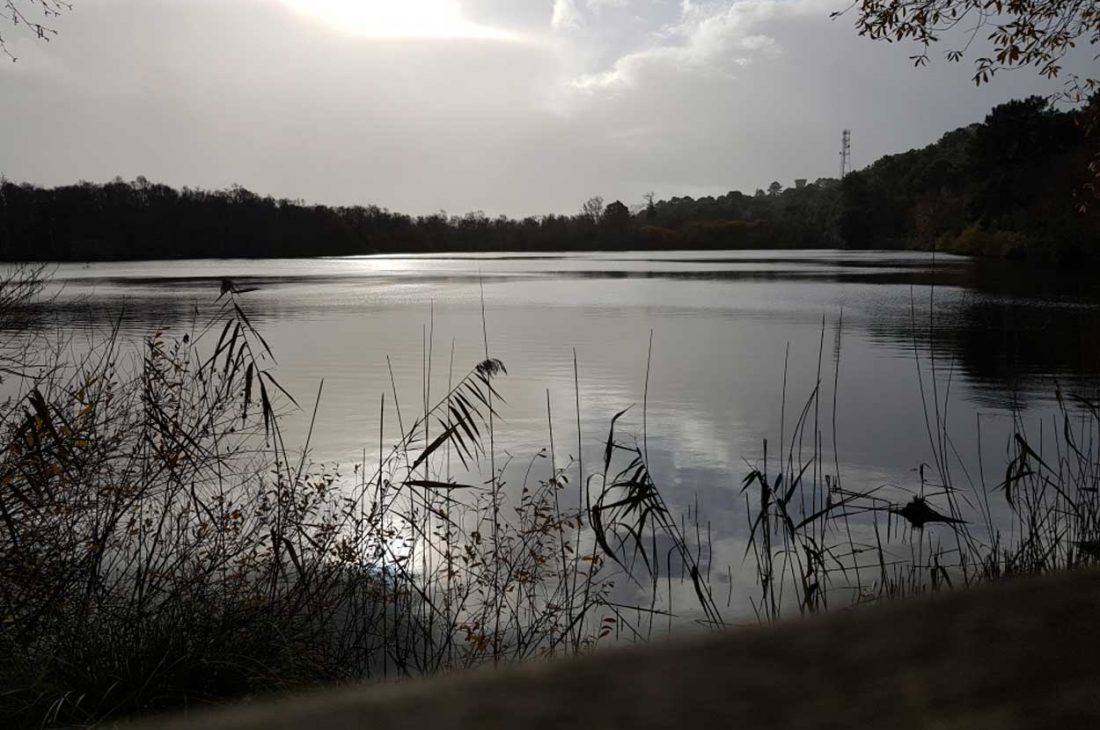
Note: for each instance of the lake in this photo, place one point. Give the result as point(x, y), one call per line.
point(738, 342)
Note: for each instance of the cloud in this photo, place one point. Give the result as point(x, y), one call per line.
point(711, 38)
point(572, 14)
point(439, 19)
point(604, 98)
point(566, 16)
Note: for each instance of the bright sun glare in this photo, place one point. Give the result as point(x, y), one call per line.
point(394, 18)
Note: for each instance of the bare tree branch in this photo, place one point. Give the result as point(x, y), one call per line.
point(34, 15)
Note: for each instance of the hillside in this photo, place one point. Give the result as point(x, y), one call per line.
point(1015, 185)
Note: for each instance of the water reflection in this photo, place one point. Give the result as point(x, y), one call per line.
point(739, 343)
point(724, 326)
point(1016, 336)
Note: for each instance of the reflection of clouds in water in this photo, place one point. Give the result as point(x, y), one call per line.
point(731, 580)
point(721, 322)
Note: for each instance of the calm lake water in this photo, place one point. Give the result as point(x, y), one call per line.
point(987, 339)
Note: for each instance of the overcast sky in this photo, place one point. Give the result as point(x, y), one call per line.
point(506, 106)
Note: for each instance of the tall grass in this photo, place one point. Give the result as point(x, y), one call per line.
point(162, 547)
point(815, 543)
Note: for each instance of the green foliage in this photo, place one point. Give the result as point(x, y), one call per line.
point(1037, 34)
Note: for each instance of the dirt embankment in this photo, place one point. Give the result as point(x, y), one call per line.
point(1023, 653)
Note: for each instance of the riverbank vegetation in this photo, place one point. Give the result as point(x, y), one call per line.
point(817, 542)
point(1017, 184)
point(163, 548)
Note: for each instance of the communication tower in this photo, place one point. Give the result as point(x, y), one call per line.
point(845, 153)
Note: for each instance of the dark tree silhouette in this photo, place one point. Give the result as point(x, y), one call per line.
point(1000, 35)
point(616, 216)
point(593, 208)
point(1003, 187)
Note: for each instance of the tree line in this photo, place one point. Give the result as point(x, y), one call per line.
point(1016, 184)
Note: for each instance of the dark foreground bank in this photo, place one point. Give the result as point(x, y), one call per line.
point(1016, 654)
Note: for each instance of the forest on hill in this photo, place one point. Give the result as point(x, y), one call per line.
point(1018, 184)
